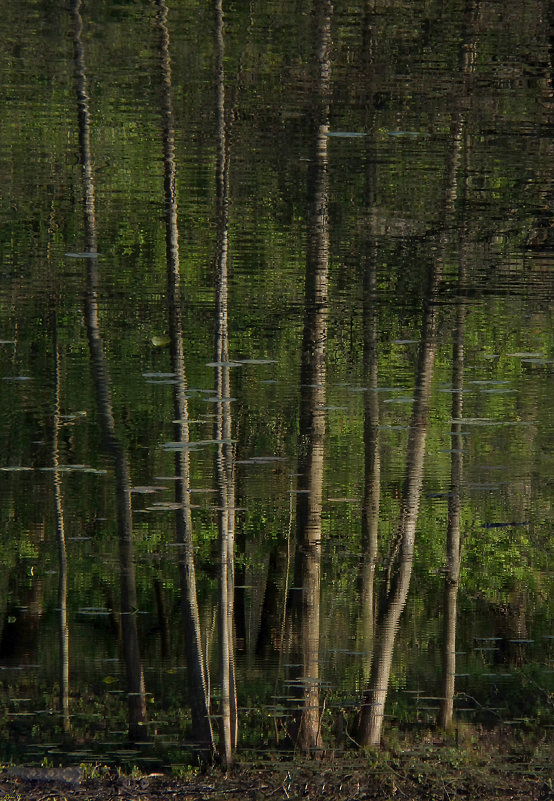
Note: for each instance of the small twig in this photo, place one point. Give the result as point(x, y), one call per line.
point(485, 708)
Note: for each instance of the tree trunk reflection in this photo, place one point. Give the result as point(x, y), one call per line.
point(225, 460)
point(305, 595)
point(62, 554)
point(402, 558)
point(198, 696)
point(372, 459)
point(402, 552)
point(453, 532)
point(453, 538)
point(128, 595)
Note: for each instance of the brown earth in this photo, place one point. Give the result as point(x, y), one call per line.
point(480, 771)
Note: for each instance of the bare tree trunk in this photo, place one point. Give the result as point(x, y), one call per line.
point(453, 534)
point(135, 678)
point(371, 720)
point(307, 568)
point(401, 559)
point(402, 553)
point(62, 554)
point(453, 539)
point(198, 696)
point(225, 451)
point(372, 460)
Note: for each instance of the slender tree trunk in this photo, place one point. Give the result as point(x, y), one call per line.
point(225, 460)
point(128, 596)
point(371, 720)
point(453, 539)
point(311, 443)
point(402, 553)
point(62, 554)
point(453, 532)
point(198, 696)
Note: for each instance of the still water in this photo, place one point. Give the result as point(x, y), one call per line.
point(276, 364)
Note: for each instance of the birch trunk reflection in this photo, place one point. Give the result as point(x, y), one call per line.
point(371, 720)
point(225, 460)
point(113, 447)
point(62, 554)
point(453, 540)
point(453, 531)
point(402, 552)
point(311, 437)
point(198, 695)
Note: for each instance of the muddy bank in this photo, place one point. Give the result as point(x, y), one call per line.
point(479, 771)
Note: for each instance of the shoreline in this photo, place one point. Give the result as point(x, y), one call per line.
point(488, 766)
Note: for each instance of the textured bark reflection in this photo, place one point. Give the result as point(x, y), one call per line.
point(225, 459)
point(198, 696)
point(305, 596)
point(60, 531)
point(453, 538)
point(402, 553)
point(371, 720)
point(400, 561)
point(453, 530)
point(102, 385)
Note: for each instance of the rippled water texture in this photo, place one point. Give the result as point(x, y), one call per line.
point(276, 372)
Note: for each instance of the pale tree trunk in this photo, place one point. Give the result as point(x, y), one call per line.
point(198, 695)
point(372, 714)
point(62, 554)
point(453, 532)
point(453, 538)
point(305, 598)
point(402, 553)
point(225, 459)
point(128, 596)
